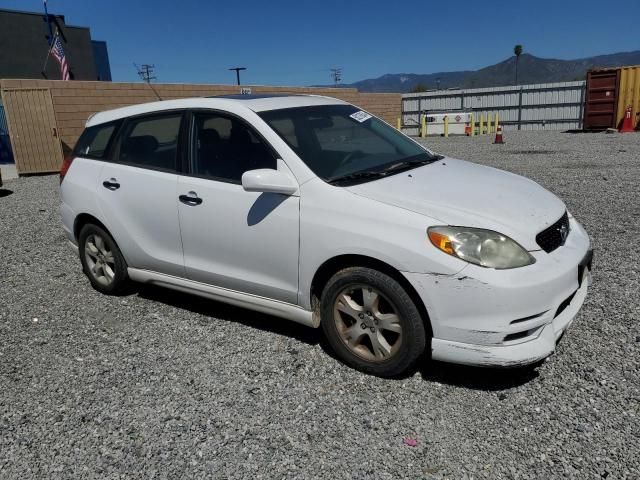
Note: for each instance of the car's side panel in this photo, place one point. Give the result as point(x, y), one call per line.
point(241, 299)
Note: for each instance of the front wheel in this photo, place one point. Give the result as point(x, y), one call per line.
point(371, 322)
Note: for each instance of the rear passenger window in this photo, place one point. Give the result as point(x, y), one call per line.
point(151, 142)
point(95, 141)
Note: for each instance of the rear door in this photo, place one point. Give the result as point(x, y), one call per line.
point(243, 241)
point(137, 192)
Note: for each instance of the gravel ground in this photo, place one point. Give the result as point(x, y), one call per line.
point(164, 385)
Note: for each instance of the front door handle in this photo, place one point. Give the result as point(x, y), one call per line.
point(192, 199)
point(111, 184)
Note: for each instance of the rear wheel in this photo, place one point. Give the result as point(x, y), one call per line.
point(371, 322)
point(102, 260)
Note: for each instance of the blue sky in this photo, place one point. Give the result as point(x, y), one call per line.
point(297, 42)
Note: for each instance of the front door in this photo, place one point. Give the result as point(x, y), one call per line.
point(243, 241)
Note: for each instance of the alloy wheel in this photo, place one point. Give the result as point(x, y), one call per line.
point(368, 323)
point(100, 259)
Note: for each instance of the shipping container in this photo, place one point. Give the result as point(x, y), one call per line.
point(610, 91)
point(629, 95)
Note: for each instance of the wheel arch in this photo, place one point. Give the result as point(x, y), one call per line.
point(84, 219)
point(333, 265)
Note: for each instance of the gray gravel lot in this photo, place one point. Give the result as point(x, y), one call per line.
point(158, 384)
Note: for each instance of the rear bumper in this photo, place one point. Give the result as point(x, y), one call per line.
point(488, 317)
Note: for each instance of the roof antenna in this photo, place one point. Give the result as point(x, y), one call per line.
point(145, 71)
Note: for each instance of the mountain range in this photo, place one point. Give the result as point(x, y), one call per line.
point(531, 69)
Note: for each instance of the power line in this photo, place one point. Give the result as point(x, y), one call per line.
point(145, 71)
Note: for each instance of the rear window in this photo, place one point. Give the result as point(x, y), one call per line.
point(95, 141)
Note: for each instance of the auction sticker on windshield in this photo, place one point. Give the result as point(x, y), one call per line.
point(360, 116)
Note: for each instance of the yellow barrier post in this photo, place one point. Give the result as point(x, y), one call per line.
point(473, 125)
point(497, 122)
point(488, 123)
point(446, 125)
point(398, 124)
point(481, 126)
point(423, 126)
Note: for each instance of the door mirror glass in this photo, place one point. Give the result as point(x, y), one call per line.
point(268, 180)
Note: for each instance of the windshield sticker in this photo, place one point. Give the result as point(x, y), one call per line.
point(360, 116)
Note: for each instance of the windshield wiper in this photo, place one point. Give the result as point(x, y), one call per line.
point(365, 174)
point(409, 164)
point(390, 169)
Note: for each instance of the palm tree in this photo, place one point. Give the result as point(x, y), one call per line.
point(517, 50)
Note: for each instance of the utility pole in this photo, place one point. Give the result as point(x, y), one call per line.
point(336, 74)
point(145, 71)
point(238, 70)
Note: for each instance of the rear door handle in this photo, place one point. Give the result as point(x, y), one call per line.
point(192, 199)
point(111, 184)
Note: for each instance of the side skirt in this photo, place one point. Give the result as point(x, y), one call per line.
point(245, 300)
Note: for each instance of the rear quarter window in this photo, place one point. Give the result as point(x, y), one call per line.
point(95, 141)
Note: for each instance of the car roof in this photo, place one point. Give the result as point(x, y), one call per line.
point(256, 103)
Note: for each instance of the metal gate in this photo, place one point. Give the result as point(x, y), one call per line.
point(6, 156)
point(33, 130)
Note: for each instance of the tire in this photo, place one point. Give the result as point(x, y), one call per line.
point(387, 336)
point(102, 261)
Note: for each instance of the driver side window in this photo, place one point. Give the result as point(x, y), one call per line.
point(225, 147)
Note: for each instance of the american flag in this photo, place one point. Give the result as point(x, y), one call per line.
point(58, 52)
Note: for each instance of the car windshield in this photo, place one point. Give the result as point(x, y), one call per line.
point(345, 145)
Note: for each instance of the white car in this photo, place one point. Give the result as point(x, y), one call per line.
point(310, 209)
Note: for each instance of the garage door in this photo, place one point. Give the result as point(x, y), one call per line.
point(32, 129)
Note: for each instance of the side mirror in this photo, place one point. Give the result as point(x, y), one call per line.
point(268, 180)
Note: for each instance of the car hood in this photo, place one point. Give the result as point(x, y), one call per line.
point(456, 192)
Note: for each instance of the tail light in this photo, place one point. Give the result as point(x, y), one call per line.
point(66, 164)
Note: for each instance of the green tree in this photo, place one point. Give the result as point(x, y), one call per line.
point(420, 87)
point(517, 50)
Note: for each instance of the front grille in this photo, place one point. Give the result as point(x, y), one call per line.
point(551, 238)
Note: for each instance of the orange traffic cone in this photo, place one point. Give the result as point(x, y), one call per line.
point(499, 140)
point(627, 123)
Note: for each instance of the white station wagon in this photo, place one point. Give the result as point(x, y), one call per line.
point(310, 209)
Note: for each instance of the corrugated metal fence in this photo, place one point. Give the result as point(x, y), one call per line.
point(546, 106)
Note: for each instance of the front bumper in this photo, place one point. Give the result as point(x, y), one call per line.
point(511, 317)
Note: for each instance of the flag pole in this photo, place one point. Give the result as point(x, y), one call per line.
point(48, 20)
point(46, 60)
point(50, 38)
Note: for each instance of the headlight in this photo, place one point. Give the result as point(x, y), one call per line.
point(483, 247)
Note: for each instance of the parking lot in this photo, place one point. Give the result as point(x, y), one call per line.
point(166, 385)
